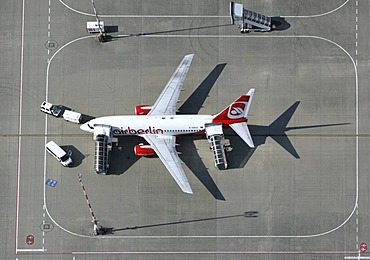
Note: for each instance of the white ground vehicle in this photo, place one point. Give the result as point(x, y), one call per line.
point(51, 109)
point(72, 116)
point(58, 153)
point(93, 27)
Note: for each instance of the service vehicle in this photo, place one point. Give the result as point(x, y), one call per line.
point(58, 153)
point(49, 108)
point(72, 116)
point(95, 27)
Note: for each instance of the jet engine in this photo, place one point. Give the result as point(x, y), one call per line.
point(142, 109)
point(143, 150)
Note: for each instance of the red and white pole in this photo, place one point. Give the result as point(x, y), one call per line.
point(94, 220)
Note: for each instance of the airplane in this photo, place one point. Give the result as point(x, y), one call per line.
point(159, 125)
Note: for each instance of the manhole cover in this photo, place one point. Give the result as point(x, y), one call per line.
point(51, 45)
point(46, 226)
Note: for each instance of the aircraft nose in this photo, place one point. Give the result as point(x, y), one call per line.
point(86, 127)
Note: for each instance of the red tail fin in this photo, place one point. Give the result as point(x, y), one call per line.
point(236, 112)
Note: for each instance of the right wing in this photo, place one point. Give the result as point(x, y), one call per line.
point(167, 100)
point(164, 147)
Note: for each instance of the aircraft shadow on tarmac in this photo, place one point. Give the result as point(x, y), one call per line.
point(247, 214)
point(238, 153)
point(86, 118)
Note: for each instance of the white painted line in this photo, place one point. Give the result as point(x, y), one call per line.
point(357, 257)
point(218, 236)
point(49, 60)
point(31, 250)
point(144, 16)
point(330, 253)
point(318, 15)
point(191, 16)
point(20, 100)
point(357, 225)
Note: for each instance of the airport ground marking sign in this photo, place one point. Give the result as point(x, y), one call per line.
point(30, 239)
point(363, 247)
point(51, 183)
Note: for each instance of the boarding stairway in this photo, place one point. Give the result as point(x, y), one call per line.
point(248, 20)
point(215, 137)
point(103, 147)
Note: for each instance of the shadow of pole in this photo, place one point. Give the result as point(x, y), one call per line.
point(167, 31)
point(247, 214)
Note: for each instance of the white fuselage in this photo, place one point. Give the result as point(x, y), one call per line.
point(162, 125)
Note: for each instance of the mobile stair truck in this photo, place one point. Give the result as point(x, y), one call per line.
point(249, 21)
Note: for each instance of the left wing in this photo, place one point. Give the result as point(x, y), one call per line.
point(164, 147)
point(167, 100)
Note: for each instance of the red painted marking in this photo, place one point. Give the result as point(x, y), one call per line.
point(30, 239)
point(363, 247)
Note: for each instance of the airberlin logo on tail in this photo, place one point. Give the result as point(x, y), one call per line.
point(236, 110)
point(133, 131)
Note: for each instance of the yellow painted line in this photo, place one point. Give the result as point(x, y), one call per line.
point(43, 135)
point(326, 135)
point(289, 135)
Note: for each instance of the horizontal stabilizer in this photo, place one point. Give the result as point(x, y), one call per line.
point(242, 130)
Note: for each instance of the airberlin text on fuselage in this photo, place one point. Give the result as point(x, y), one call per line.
point(133, 131)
